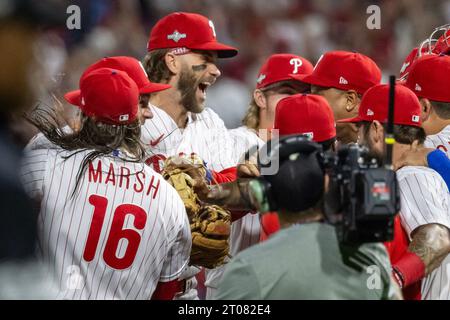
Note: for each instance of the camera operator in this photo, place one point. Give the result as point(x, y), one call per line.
point(424, 212)
point(312, 263)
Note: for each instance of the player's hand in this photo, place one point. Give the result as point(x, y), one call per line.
point(195, 169)
point(415, 156)
point(247, 170)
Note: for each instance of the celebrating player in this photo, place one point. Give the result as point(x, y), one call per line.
point(110, 227)
point(424, 212)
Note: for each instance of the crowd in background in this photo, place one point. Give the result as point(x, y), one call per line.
point(257, 28)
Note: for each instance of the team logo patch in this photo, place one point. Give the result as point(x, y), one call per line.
point(123, 117)
point(176, 36)
point(342, 80)
point(418, 88)
point(309, 135)
point(297, 63)
point(261, 78)
point(370, 112)
point(404, 66)
point(415, 119)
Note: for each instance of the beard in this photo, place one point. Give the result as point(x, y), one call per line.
point(374, 153)
point(187, 86)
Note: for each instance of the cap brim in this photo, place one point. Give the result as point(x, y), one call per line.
point(299, 77)
point(153, 87)
point(73, 97)
point(351, 120)
point(223, 51)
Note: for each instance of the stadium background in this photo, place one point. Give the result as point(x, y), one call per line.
point(257, 28)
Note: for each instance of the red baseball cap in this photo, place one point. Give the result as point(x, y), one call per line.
point(109, 95)
point(187, 30)
point(131, 66)
point(409, 61)
point(375, 104)
point(429, 78)
point(442, 45)
point(281, 67)
point(307, 114)
point(344, 70)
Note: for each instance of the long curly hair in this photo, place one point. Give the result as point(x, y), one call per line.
point(103, 139)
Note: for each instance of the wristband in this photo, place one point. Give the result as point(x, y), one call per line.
point(409, 269)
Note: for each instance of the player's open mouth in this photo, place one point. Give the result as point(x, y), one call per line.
point(203, 86)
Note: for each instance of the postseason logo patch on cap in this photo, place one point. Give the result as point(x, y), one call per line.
point(261, 78)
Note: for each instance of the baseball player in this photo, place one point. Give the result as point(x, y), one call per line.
point(274, 83)
point(183, 52)
point(342, 77)
point(109, 226)
point(429, 79)
point(424, 212)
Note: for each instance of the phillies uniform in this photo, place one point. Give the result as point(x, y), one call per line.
point(123, 230)
point(440, 141)
point(245, 232)
point(424, 200)
point(205, 135)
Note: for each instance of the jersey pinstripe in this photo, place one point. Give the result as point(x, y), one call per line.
point(440, 141)
point(205, 134)
point(245, 232)
point(123, 230)
point(424, 200)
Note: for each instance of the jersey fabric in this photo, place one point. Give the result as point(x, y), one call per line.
point(307, 262)
point(424, 200)
point(205, 135)
point(115, 236)
point(440, 141)
point(245, 232)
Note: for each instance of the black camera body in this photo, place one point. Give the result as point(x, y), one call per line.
point(363, 197)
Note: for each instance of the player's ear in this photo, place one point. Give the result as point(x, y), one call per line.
point(425, 106)
point(352, 101)
point(172, 63)
point(260, 98)
point(376, 132)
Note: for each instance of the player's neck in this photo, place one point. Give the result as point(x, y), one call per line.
point(437, 125)
point(169, 101)
point(264, 128)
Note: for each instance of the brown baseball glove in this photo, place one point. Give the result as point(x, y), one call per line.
point(210, 224)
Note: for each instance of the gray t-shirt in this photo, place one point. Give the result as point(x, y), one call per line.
point(307, 262)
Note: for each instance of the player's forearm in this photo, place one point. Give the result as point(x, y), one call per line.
point(431, 243)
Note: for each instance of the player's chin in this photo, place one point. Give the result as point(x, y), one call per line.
point(199, 106)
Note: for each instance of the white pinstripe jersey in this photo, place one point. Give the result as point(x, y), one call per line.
point(440, 141)
point(245, 232)
point(123, 231)
point(424, 200)
point(205, 134)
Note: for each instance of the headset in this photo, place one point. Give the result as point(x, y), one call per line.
point(285, 149)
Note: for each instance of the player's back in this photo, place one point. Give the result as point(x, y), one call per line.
point(123, 230)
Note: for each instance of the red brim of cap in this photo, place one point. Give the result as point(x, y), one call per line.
point(299, 77)
point(153, 87)
point(73, 97)
point(351, 120)
point(223, 51)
